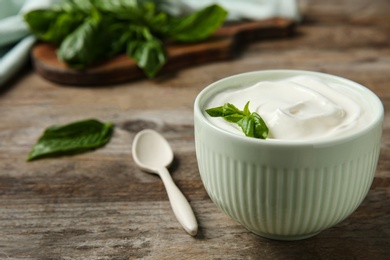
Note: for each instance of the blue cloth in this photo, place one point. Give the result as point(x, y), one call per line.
point(15, 39)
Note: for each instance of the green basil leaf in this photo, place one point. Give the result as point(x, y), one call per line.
point(151, 57)
point(226, 110)
point(246, 109)
point(78, 49)
point(230, 109)
point(215, 111)
point(261, 129)
point(88, 44)
point(39, 21)
point(72, 138)
point(234, 118)
point(247, 125)
point(198, 25)
point(254, 126)
point(147, 51)
point(53, 26)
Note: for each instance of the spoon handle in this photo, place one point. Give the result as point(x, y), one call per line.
point(180, 206)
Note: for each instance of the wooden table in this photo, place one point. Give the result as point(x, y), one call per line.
point(99, 205)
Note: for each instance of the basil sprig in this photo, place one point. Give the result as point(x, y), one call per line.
point(73, 138)
point(91, 31)
point(251, 123)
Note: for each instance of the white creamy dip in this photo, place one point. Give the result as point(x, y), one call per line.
point(298, 108)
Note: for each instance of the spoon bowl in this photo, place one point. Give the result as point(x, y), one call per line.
point(153, 154)
point(151, 151)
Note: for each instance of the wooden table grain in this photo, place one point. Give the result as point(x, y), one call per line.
point(99, 205)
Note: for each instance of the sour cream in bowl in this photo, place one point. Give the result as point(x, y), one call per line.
point(299, 108)
point(315, 167)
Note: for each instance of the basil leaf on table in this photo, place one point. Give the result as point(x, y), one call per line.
point(73, 138)
point(251, 123)
point(90, 31)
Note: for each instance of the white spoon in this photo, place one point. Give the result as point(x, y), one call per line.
point(152, 153)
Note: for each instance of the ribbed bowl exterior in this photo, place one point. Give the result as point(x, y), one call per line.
point(285, 190)
point(281, 202)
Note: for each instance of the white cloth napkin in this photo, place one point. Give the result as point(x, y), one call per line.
point(244, 9)
point(16, 41)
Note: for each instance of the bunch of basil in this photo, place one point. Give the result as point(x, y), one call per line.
point(90, 31)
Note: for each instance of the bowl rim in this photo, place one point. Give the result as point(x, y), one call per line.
point(205, 95)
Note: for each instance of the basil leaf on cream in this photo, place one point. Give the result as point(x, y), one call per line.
point(251, 123)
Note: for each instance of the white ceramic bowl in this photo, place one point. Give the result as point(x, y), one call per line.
point(285, 190)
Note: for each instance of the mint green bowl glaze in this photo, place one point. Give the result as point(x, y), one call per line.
point(285, 190)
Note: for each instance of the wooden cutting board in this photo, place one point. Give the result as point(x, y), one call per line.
point(225, 44)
